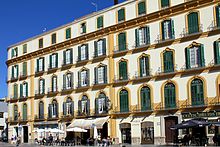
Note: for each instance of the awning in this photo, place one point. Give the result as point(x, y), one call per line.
point(76, 129)
point(89, 123)
point(190, 124)
point(46, 123)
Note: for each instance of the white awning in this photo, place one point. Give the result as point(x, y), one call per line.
point(76, 129)
point(89, 123)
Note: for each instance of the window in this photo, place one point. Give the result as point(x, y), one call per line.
point(124, 104)
point(168, 62)
point(100, 47)
point(41, 86)
point(15, 91)
point(15, 72)
point(142, 36)
point(24, 90)
point(101, 104)
point(83, 78)
point(24, 116)
point(167, 27)
point(84, 106)
point(68, 107)
point(83, 52)
point(24, 48)
point(68, 56)
point(53, 109)
point(68, 33)
point(217, 10)
point(41, 43)
point(122, 42)
point(24, 65)
point(144, 66)
point(68, 81)
point(141, 8)
point(165, 3)
point(100, 22)
point(54, 38)
point(217, 52)
point(121, 15)
point(123, 75)
point(193, 22)
point(170, 95)
point(15, 112)
point(40, 64)
point(145, 98)
point(101, 74)
point(83, 28)
point(54, 84)
point(197, 92)
point(41, 110)
point(195, 56)
point(14, 52)
point(54, 60)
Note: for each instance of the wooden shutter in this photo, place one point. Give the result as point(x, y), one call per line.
point(12, 53)
point(105, 74)
point(165, 3)
point(15, 91)
point(87, 51)
point(64, 57)
point(96, 75)
point(96, 106)
point(100, 22)
point(79, 78)
point(41, 110)
point(43, 86)
point(17, 70)
point(43, 63)
point(147, 34)
point(137, 38)
point(104, 46)
point(26, 89)
point(88, 77)
point(24, 48)
point(25, 68)
point(37, 65)
point(217, 10)
point(64, 81)
point(141, 8)
point(71, 80)
point(122, 41)
point(79, 107)
point(64, 108)
point(12, 72)
point(216, 52)
point(21, 90)
point(172, 29)
point(25, 111)
point(88, 106)
point(72, 108)
point(71, 55)
point(202, 58)
point(56, 59)
point(68, 33)
point(96, 49)
point(49, 110)
point(50, 61)
point(162, 28)
point(193, 24)
point(187, 58)
point(79, 53)
point(121, 15)
point(141, 66)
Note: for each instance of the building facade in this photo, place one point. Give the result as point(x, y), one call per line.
point(148, 65)
point(3, 119)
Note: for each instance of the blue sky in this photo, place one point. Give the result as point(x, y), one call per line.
point(21, 19)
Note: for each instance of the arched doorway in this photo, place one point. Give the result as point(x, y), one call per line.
point(125, 132)
point(147, 132)
point(171, 135)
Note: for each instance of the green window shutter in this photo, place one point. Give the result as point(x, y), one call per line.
point(72, 108)
point(122, 41)
point(202, 58)
point(52, 83)
point(79, 107)
point(12, 53)
point(83, 28)
point(100, 22)
point(136, 38)
point(54, 36)
point(187, 58)
point(25, 112)
point(79, 79)
point(96, 49)
point(141, 8)
point(168, 61)
point(172, 29)
point(105, 74)
point(173, 96)
point(166, 97)
point(64, 57)
point(79, 53)
point(68, 33)
point(96, 75)
point(41, 110)
point(25, 68)
point(21, 90)
point(165, 3)
point(17, 70)
point(64, 81)
point(50, 61)
point(43, 86)
point(26, 89)
point(141, 66)
point(50, 110)
point(56, 59)
point(87, 51)
point(193, 23)
point(15, 91)
point(96, 106)
point(123, 70)
point(200, 93)
point(88, 77)
point(37, 65)
point(71, 80)
point(64, 108)
point(71, 55)
point(121, 15)
point(24, 48)
point(124, 104)
point(147, 34)
point(12, 72)
point(41, 43)
point(217, 52)
point(217, 9)
point(162, 28)
point(104, 46)
point(88, 106)
point(43, 63)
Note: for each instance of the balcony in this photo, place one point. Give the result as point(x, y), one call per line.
point(52, 91)
point(39, 118)
point(214, 65)
point(126, 111)
point(81, 61)
point(167, 107)
point(51, 118)
point(140, 46)
point(142, 77)
point(22, 76)
point(192, 70)
point(67, 117)
point(52, 69)
point(39, 94)
point(13, 99)
point(84, 86)
point(166, 72)
point(142, 109)
point(214, 26)
point(66, 65)
point(13, 120)
point(192, 31)
point(24, 119)
point(68, 89)
point(14, 79)
point(120, 50)
point(98, 58)
point(162, 39)
point(39, 73)
point(196, 104)
point(23, 98)
point(83, 114)
point(119, 80)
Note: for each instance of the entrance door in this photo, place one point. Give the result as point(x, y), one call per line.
point(147, 133)
point(125, 133)
point(171, 135)
point(25, 134)
point(103, 131)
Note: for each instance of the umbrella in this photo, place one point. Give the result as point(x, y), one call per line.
point(76, 129)
point(55, 130)
point(190, 124)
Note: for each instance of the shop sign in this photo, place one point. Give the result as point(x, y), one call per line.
point(201, 114)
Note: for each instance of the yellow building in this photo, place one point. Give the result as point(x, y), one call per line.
point(147, 65)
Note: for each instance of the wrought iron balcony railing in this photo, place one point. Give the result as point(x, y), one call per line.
point(192, 30)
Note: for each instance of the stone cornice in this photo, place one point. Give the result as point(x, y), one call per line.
point(155, 16)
